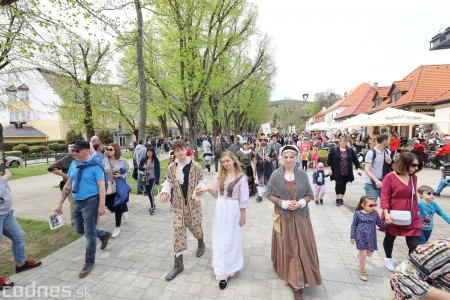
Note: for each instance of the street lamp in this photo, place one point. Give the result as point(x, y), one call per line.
point(305, 97)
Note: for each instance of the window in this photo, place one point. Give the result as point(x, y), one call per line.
point(12, 116)
point(23, 95)
point(395, 96)
point(378, 101)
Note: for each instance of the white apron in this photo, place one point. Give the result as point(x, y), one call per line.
point(227, 238)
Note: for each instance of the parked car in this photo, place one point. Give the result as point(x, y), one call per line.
point(14, 161)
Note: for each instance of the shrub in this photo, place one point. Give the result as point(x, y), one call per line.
point(13, 153)
point(323, 156)
point(38, 149)
point(22, 148)
point(57, 147)
point(106, 136)
point(73, 136)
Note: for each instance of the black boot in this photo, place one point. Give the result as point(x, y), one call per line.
point(341, 202)
point(259, 199)
point(338, 202)
point(201, 248)
point(178, 268)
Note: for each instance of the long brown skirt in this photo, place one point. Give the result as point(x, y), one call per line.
point(294, 252)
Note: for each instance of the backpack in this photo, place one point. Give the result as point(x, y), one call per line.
point(386, 167)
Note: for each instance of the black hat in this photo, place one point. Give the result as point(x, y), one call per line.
point(81, 145)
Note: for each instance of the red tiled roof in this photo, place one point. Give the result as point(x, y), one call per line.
point(425, 84)
point(444, 97)
point(383, 91)
point(362, 98)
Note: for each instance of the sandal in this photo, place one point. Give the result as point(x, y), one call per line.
point(363, 275)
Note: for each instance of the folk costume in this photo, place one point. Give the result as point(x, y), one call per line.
point(228, 235)
point(264, 167)
point(245, 158)
point(276, 147)
point(186, 210)
point(294, 251)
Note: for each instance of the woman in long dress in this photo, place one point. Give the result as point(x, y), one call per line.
point(294, 252)
point(230, 189)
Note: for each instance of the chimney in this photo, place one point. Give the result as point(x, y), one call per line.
point(21, 124)
point(15, 124)
point(375, 85)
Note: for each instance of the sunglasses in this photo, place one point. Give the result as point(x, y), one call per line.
point(77, 150)
point(110, 149)
point(372, 205)
point(414, 165)
point(428, 193)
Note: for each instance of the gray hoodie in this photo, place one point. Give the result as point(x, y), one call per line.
point(6, 201)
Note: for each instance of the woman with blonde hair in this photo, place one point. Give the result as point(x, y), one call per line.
point(230, 188)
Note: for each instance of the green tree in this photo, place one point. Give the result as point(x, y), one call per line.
point(73, 136)
point(106, 136)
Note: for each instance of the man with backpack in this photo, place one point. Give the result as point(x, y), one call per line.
point(377, 165)
point(139, 152)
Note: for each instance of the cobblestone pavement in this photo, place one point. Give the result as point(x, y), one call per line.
point(134, 265)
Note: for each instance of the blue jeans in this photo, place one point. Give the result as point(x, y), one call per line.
point(85, 217)
point(140, 188)
point(442, 184)
point(11, 229)
point(371, 191)
point(425, 236)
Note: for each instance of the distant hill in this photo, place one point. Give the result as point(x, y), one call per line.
point(285, 102)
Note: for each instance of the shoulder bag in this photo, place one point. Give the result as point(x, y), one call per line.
point(403, 217)
point(111, 184)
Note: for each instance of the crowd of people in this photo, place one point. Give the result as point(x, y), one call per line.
point(94, 177)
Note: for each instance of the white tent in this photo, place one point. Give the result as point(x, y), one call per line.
point(392, 116)
point(318, 126)
point(358, 120)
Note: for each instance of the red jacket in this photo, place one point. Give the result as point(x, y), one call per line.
point(395, 195)
point(394, 144)
point(444, 150)
point(418, 148)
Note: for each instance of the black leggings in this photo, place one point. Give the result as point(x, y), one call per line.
point(208, 167)
point(149, 188)
point(388, 243)
point(341, 185)
point(305, 165)
point(117, 210)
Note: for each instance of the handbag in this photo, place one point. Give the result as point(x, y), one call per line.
point(144, 179)
point(110, 184)
point(276, 222)
point(403, 217)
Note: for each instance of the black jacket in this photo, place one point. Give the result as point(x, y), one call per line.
point(334, 160)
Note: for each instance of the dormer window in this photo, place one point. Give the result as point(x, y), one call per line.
point(378, 101)
point(11, 93)
point(23, 92)
point(395, 96)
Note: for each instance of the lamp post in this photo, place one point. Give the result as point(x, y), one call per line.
point(305, 97)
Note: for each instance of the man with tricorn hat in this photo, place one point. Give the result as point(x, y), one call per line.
point(265, 155)
point(276, 147)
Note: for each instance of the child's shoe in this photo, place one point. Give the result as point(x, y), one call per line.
point(363, 275)
point(317, 202)
point(321, 201)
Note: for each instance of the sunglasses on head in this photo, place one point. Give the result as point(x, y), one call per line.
point(372, 205)
point(110, 149)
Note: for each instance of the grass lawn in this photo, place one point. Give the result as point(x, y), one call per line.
point(23, 172)
point(39, 242)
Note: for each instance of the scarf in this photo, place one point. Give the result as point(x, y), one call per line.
point(277, 187)
point(179, 175)
point(246, 151)
point(81, 166)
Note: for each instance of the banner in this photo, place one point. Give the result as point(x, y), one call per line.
point(266, 128)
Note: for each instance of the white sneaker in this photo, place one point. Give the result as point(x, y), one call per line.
point(388, 263)
point(125, 216)
point(116, 232)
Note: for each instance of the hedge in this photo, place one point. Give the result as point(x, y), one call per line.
point(10, 146)
point(22, 148)
point(38, 149)
point(13, 153)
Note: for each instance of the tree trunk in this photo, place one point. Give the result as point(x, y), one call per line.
point(213, 104)
point(164, 127)
point(88, 122)
point(2, 153)
point(192, 116)
point(140, 65)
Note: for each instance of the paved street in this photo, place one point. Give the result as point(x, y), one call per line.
point(134, 265)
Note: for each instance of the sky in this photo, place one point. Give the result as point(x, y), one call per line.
point(322, 45)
